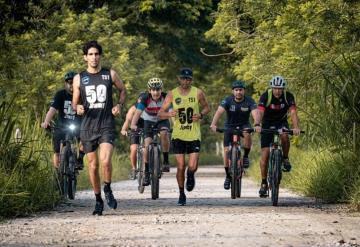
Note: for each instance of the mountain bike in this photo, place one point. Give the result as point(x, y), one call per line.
point(69, 150)
point(234, 158)
point(140, 166)
point(275, 162)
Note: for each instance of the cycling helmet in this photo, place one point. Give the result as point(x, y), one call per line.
point(277, 82)
point(69, 75)
point(155, 83)
point(238, 84)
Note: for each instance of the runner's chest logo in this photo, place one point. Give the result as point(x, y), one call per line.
point(232, 108)
point(85, 80)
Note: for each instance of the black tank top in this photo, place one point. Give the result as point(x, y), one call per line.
point(96, 95)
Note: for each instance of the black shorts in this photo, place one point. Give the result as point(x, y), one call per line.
point(92, 139)
point(188, 147)
point(58, 136)
point(163, 124)
point(228, 135)
point(267, 138)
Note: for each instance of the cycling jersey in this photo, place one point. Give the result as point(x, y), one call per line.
point(187, 105)
point(149, 106)
point(96, 96)
point(62, 103)
point(276, 111)
point(238, 113)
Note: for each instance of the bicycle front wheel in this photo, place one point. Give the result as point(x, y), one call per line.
point(140, 166)
point(64, 165)
point(155, 165)
point(234, 172)
point(275, 176)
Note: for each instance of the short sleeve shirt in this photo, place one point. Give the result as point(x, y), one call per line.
point(62, 103)
point(276, 111)
point(238, 113)
point(149, 106)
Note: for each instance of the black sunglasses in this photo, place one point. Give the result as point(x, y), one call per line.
point(185, 78)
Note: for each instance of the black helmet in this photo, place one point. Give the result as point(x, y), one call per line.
point(238, 84)
point(69, 75)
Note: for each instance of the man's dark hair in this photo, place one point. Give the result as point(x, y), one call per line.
point(92, 44)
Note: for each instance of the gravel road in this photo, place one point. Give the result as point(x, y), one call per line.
point(210, 218)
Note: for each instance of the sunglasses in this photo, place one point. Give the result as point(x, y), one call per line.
point(185, 78)
point(155, 89)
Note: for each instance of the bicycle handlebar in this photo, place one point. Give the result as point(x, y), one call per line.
point(235, 130)
point(279, 131)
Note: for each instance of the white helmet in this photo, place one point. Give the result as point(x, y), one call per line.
point(155, 83)
point(277, 82)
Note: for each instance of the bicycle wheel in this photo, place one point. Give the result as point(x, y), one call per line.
point(141, 170)
point(71, 176)
point(239, 175)
point(154, 164)
point(64, 164)
point(234, 172)
point(275, 176)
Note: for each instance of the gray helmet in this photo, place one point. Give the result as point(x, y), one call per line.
point(69, 75)
point(155, 83)
point(277, 82)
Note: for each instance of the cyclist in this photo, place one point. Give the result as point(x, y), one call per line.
point(147, 107)
point(134, 139)
point(186, 101)
point(95, 86)
point(273, 107)
point(238, 108)
point(61, 104)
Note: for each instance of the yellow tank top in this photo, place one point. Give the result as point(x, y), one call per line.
point(184, 128)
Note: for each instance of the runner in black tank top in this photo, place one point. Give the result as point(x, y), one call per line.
point(94, 86)
point(96, 95)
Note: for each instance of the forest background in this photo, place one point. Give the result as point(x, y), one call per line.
point(314, 44)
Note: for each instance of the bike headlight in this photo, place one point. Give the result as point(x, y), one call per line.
point(72, 126)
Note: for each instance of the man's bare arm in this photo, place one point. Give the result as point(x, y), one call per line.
point(119, 85)
point(163, 112)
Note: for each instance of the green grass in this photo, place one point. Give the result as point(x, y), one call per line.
point(320, 173)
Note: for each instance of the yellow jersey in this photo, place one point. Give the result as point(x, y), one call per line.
point(186, 105)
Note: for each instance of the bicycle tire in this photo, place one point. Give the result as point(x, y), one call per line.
point(239, 176)
point(141, 170)
point(276, 169)
point(72, 181)
point(64, 164)
point(233, 168)
point(154, 164)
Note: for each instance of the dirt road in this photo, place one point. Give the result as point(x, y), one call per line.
point(210, 218)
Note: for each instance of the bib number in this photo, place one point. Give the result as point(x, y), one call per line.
point(185, 115)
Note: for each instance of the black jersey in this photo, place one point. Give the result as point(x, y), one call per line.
point(62, 103)
point(277, 110)
point(96, 95)
point(238, 113)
